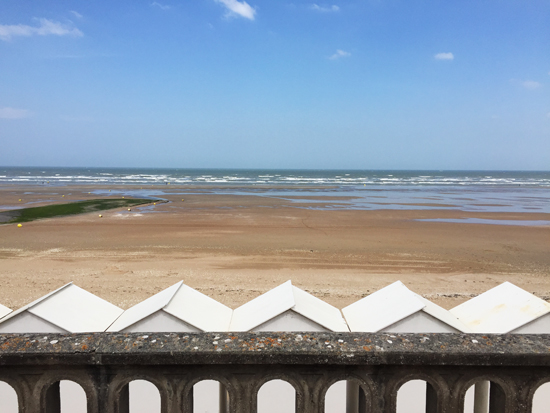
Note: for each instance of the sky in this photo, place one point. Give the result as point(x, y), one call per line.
point(355, 84)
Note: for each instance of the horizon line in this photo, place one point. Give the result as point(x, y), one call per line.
point(276, 169)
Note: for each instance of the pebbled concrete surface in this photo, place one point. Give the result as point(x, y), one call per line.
point(275, 348)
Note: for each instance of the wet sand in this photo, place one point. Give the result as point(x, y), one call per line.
point(235, 247)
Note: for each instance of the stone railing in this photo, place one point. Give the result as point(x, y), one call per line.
point(376, 364)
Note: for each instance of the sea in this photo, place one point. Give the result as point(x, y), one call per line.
point(473, 191)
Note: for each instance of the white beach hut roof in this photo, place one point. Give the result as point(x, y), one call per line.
point(4, 311)
point(182, 302)
point(281, 299)
point(391, 304)
point(501, 310)
point(443, 315)
point(72, 309)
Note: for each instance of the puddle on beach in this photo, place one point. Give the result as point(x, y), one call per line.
point(527, 223)
point(148, 209)
point(126, 214)
point(10, 207)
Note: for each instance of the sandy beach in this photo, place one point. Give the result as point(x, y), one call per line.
point(235, 247)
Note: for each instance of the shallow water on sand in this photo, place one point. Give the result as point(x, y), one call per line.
point(471, 191)
point(469, 199)
point(528, 223)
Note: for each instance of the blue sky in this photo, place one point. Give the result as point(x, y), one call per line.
point(359, 84)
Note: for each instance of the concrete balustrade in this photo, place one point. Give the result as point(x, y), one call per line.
point(104, 364)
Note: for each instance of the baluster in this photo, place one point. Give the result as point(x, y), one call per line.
point(431, 399)
point(246, 394)
point(53, 399)
point(497, 399)
point(352, 396)
point(308, 398)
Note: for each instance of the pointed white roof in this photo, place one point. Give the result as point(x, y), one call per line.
point(391, 304)
point(4, 311)
point(183, 302)
point(73, 309)
point(283, 298)
point(443, 315)
point(501, 309)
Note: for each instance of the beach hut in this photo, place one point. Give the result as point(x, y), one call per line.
point(69, 309)
point(178, 308)
point(396, 309)
point(4, 311)
point(503, 309)
point(287, 308)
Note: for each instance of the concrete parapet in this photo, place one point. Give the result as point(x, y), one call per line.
point(105, 363)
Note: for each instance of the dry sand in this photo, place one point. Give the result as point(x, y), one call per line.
point(235, 247)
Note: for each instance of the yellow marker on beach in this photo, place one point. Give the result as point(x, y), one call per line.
point(19, 200)
point(109, 190)
point(62, 196)
point(19, 225)
point(182, 200)
point(154, 203)
point(129, 209)
point(101, 216)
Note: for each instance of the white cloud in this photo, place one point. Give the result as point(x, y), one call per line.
point(161, 6)
point(76, 14)
point(47, 27)
point(444, 56)
point(324, 9)
point(530, 84)
point(527, 84)
point(12, 113)
point(238, 8)
point(339, 54)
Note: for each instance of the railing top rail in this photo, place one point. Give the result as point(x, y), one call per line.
point(275, 348)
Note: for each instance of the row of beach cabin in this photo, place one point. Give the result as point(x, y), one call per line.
point(180, 308)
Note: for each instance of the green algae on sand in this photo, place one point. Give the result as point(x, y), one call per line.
point(72, 208)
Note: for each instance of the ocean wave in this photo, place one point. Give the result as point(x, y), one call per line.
point(293, 178)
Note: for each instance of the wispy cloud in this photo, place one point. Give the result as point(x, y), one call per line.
point(160, 6)
point(12, 113)
point(46, 28)
point(237, 8)
point(530, 84)
point(444, 56)
point(526, 84)
point(76, 14)
point(339, 54)
point(324, 9)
